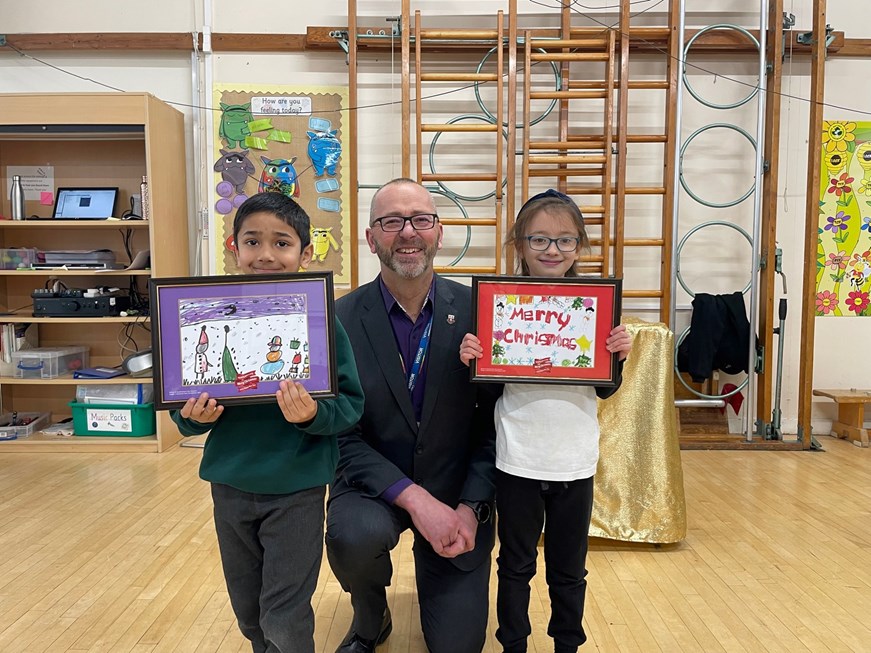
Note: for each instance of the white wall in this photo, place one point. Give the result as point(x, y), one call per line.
point(840, 358)
point(715, 262)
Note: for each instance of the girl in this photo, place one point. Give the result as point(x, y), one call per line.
point(547, 447)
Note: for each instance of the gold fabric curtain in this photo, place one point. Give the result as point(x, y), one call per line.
point(639, 492)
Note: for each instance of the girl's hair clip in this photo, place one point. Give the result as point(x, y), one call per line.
point(551, 192)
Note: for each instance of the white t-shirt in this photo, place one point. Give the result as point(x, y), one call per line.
point(547, 432)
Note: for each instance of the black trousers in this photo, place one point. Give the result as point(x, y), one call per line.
point(454, 603)
point(564, 508)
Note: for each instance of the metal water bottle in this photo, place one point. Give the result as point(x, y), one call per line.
point(145, 198)
point(16, 198)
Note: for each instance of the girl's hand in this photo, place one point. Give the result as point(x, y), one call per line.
point(295, 402)
point(202, 409)
point(620, 341)
point(470, 348)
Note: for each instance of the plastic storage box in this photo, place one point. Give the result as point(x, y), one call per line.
point(48, 362)
point(17, 257)
point(123, 393)
point(113, 419)
point(35, 422)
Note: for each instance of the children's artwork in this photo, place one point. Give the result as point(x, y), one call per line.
point(844, 232)
point(238, 337)
point(545, 331)
point(282, 139)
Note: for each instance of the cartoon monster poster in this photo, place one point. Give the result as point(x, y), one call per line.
point(283, 139)
point(844, 233)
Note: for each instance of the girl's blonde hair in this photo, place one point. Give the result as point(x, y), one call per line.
point(553, 203)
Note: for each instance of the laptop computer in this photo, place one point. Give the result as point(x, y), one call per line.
point(85, 203)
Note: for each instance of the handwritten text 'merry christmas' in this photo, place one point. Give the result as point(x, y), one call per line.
point(528, 316)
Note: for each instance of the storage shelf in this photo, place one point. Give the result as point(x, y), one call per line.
point(48, 223)
point(109, 140)
point(55, 130)
point(82, 272)
point(69, 380)
point(74, 320)
point(40, 442)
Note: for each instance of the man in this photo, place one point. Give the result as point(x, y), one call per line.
point(422, 456)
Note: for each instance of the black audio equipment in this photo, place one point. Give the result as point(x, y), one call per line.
point(74, 303)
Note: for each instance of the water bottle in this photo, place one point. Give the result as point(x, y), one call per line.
point(16, 198)
point(145, 198)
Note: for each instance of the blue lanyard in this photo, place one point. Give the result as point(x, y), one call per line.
point(421, 354)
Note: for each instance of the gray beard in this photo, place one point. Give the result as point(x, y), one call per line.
point(410, 271)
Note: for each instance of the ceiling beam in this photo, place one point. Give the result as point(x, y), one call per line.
point(320, 38)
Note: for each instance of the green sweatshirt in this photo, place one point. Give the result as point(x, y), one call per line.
point(254, 449)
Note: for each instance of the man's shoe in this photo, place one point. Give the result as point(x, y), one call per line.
point(353, 643)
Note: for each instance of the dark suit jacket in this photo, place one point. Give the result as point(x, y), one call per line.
point(452, 453)
point(719, 337)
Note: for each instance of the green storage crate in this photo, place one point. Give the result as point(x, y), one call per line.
point(119, 420)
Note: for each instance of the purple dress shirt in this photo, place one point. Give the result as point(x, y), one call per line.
point(408, 335)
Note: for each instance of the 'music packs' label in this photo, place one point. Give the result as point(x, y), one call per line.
point(102, 419)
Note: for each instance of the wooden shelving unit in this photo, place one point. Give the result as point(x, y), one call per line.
point(91, 139)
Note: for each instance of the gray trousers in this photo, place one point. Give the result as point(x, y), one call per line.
point(271, 550)
point(454, 604)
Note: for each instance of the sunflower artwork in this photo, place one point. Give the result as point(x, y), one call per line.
point(844, 232)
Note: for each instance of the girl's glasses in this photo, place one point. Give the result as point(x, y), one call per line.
point(563, 243)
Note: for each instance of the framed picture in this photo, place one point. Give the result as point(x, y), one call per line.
point(237, 337)
point(545, 330)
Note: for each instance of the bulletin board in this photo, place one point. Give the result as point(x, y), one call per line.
point(844, 233)
point(285, 139)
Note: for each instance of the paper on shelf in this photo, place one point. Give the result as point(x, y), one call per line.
point(141, 261)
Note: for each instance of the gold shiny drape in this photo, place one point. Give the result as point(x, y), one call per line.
point(639, 493)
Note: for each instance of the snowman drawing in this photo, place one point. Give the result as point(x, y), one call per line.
point(201, 362)
point(273, 362)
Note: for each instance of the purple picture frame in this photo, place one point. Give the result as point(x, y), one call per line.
point(213, 334)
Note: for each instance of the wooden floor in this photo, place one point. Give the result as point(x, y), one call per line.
point(116, 552)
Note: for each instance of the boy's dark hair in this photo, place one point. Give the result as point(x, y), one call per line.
point(279, 205)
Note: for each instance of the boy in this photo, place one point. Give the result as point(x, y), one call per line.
point(269, 464)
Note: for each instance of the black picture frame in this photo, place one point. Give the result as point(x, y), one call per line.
point(254, 317)
point(537, 330)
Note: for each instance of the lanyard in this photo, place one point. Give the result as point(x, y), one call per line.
point(419, 357)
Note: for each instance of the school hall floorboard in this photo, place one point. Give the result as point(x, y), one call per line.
point(116, 552)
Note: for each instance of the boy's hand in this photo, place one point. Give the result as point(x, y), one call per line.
point(620, 341)
point(202, 409)
point(470, 348)
point(295, 402)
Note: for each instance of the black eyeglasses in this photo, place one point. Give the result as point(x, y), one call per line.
point(563, 243)
point(419, 222)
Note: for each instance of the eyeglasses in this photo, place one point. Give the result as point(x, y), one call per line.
point(419, 222)
point(563, 243)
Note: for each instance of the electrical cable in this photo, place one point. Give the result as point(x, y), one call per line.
point(130, 214)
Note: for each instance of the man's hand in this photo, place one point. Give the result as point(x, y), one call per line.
point(295, 402)
point(468, 529)
point(438, 523)
point(202, 409)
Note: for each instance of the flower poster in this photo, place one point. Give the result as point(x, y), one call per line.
point(844, 233)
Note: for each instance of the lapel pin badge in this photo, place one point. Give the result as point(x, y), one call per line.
point(451, 319)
